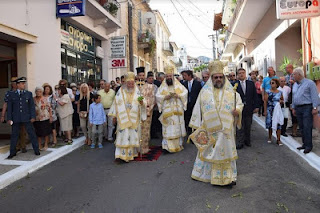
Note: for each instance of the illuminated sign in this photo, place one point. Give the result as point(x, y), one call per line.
point(78, 40)
point(289, 9)
point(68, 8)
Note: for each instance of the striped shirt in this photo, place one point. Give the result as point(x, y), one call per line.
point(305, 92)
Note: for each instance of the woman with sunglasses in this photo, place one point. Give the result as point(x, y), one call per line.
point(272, 97)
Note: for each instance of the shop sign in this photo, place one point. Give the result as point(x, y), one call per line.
point(118, 46)
point(118, 63)
point(68, 8)
point(290, 9)
point(64, 37)
point(80, 41)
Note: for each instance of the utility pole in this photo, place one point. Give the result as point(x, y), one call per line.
point(130, 36)
point(213, 46)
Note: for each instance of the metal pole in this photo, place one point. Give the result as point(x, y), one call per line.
point(130, 36)
point(213, 46)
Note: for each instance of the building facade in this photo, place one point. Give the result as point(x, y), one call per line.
point(37, 44)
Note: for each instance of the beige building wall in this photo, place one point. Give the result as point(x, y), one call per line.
point(263, 45)
point(162, 35)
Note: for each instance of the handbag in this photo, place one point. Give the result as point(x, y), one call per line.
point(84, 114)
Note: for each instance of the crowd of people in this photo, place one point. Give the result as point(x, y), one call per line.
point(131, 109)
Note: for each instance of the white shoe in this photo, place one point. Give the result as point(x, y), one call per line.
point(269, 141)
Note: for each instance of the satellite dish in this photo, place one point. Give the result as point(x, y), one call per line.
point(149, 19)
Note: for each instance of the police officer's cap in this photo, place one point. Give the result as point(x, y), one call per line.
point(21, 79)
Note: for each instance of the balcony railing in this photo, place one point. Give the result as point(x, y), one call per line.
point(235, 14)
point(147, 42)
point(112, 6)
point(167, 48)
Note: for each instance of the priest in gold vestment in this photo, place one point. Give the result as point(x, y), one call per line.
point(147, 90)
point(171, 99)
point(127, 109)
point(215, 116)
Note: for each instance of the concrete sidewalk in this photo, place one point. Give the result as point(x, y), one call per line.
point(313, 158)
point(26, 163)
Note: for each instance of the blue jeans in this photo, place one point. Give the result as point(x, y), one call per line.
point(305, 121)
point(15, 135)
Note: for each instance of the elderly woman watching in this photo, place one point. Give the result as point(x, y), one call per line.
point(51, 98)
point(43, 118)
point(65, 112)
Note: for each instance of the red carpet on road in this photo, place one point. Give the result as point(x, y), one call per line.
point(152, 155)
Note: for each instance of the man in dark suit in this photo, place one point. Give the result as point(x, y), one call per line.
point(249, 96)
point(21, 111)
point(193, 87)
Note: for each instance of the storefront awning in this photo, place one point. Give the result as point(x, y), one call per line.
point(15, 35)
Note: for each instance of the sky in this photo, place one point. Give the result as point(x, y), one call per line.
point(197, 15)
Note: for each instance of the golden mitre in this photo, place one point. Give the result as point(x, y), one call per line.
point(216, 67)
point(169, 69)
point(130, 76)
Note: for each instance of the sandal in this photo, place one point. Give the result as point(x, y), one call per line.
point(269, 141)
point(279, 143)
point(53, 145)
point(69, 142)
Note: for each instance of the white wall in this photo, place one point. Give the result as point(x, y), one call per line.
point(37, 17)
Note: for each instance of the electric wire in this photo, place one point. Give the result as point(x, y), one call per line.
point(200, 21)
point(187, 25)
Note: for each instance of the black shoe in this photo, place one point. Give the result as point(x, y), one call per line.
point(11, 156)
point(37, 152)
point(239, 146)
point(284, 135)
point(18, 150)
point(300, 147)
point(307, 150)
point(24, 150)
point(248, 144)
point(233, 183)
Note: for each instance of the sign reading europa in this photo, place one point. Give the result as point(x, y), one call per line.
point(290, 9)
point(80, 41)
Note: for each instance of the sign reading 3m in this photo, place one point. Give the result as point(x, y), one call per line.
point(118, 63)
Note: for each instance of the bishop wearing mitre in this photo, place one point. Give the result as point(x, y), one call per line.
point(172, 99)
point(215, 116)
point(128, 110)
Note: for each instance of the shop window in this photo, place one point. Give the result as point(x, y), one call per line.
point(71, 66)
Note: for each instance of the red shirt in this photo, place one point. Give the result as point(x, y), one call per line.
point(258, 87)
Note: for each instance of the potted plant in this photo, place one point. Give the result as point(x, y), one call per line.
point(152, 47)
point(112, 8)
point(147, 36)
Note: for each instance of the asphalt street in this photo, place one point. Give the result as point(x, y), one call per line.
point(270, 179)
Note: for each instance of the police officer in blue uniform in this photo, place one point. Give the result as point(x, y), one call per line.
point(21, 111)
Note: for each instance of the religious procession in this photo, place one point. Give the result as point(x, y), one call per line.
point(128, 113)
point(159, 106)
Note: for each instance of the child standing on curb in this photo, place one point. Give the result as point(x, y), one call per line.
point(97, 119)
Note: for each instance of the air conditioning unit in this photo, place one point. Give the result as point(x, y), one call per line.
point(316, 72)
